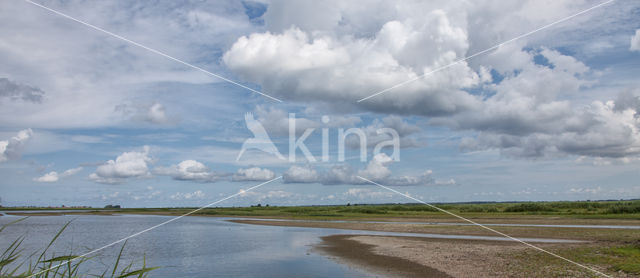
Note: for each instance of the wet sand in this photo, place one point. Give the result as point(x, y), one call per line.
point(422, 257)
point(345, 248)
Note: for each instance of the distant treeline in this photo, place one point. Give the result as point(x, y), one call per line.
point(560, 207)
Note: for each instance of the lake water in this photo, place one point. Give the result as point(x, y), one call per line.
point(188, 247)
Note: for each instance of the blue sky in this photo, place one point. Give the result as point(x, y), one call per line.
point(89, 119)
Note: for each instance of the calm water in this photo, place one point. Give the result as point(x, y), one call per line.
point(188, 247)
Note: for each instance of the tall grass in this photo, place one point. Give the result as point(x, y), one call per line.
point(14, 263)
point(585, 208)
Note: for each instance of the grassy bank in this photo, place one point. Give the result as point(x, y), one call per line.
point(578, 209)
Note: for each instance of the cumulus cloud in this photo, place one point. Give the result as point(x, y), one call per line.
point(635, 41)
point(54, 176)
point(343, 57)
point(127, 165)
point(367, 194)
point(583, 190)
point(348, 54)
point(308, 66)
point(597, 130)
point(376, 170)
point(524, 118)
point(189, 170)
point(276, 121)
point(16, 91)
point(406, 133)
point(154, 113)
point(253, 174)
point(301, 174)
point(12, 148)
point(273, 195)
point(198, 194)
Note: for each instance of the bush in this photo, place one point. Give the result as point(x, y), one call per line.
point(528, 207)
point(365, 210)
point(624, 208)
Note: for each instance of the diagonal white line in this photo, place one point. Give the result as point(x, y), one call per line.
point(485, 227)
point(485, 51)
point(151, 49)
point(153, 227)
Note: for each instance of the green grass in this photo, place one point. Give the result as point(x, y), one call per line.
point(14, 263)
point(576, 209)
point(627, 259)
point(584, 209)
point(530, 263)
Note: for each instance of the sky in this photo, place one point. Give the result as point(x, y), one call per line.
point(160, 117)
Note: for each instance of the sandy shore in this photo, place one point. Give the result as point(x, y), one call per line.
point(392, 256)
point(420, 257)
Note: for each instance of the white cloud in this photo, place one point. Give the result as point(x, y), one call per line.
point(376, 170)
point(308, 66)
point(585, 190)
point(273, 195)
point(253, 174)
point(154, 113)
point(367, 194)
point(300, 174)
point(102, 72)
point(53, 176)
point(12, 148)
point(340, 58)
point(276, 121)
point(525, 118)
point(198, 194)
point(351, 51)
point(189, 170)
point(405, 130)
point(597, 130)
point(635, 41)
point(127, 165)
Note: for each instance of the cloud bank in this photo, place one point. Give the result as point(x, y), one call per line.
point(513, 97)
point(189, 170)
point(12, 148)
point(54, 176)
point(377, 170)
